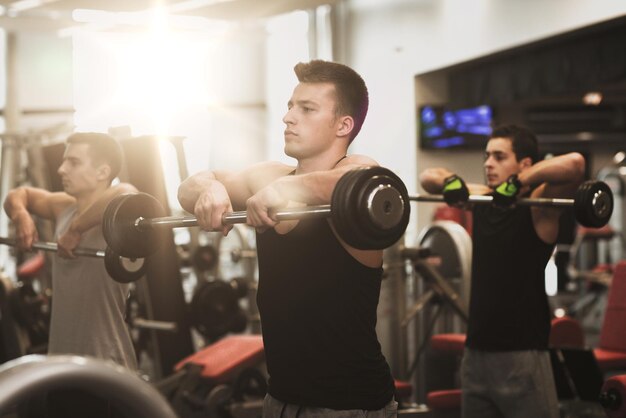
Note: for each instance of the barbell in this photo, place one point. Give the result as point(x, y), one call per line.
point(369, 209)
point(121, 269)
point(592, 202)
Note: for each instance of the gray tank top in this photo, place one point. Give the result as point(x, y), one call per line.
point(88, 307)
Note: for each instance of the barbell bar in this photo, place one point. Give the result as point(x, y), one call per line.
point(52, 246)
point(479, 199)
point(120, 269)
point(592, 202)
point(369, 208)
point(231, 218)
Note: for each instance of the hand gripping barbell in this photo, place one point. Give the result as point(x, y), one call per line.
point(369, 208)
point(592, 203)
point(120, 269)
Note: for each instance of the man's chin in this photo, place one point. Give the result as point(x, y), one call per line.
point(289, 152)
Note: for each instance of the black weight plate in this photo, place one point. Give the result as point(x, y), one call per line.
point(367, 223)
point(343, 213)
point(383, 206)
point(120, 232)
point(123, 270)
point(108, 231)
point(580, 202)
point(593, 204)
point(214, 306)
point(336, 205)
point(367, 235)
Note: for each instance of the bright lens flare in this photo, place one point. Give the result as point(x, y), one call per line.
point(147, 80)
point(162, 74)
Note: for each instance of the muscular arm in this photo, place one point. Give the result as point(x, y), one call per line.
point(23, 202)
point(316, 188)
point(89, 218)
point(557, 177)
point(92, 215)
point(257, 189)
point(312, 188)
point(209, 194)
point(33, 201)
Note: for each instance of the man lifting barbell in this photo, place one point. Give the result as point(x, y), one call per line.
point(317, 294)
point(506, 369)
point(87, 315)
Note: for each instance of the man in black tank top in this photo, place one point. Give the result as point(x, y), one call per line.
point(506, 369)
point(317, 296)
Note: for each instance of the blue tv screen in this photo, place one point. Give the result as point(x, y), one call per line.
point(442, 127)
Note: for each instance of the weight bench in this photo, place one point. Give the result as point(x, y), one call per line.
point(222, 361)
point(221, 378)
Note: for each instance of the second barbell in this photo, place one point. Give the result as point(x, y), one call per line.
point(592, 202)
point(121, 269)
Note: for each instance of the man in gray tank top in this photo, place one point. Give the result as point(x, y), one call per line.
point(88, 311)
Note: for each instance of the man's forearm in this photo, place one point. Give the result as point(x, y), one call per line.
point(16, 203)
point(568, 168)
point(190, 189)
point(432, 179)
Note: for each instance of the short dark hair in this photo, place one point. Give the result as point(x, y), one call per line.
point(523, 141)
point(352, 95)
point(103, 149)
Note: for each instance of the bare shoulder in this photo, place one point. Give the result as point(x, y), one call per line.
point(357, 160)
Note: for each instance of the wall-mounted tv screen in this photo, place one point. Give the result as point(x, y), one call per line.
point(443, 127)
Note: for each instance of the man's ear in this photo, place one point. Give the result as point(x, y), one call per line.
point(346, 124)
point(103, 172)
point(525, 163)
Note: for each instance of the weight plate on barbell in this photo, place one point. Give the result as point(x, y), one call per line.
point(120, 231)
point(370, 208)
point(123, 270)
point(343, 215)
point(593, 204)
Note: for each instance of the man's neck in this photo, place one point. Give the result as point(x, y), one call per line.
point(86, 200)
point(324, 162)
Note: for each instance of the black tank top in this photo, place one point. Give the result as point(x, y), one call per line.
point(318, 313)
point(508, 305)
